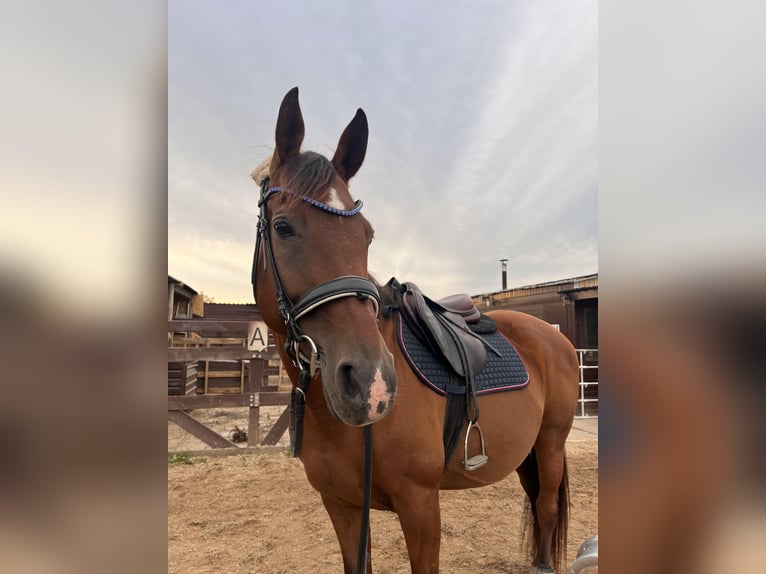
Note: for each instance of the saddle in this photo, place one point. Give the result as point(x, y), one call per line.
point(444, 325)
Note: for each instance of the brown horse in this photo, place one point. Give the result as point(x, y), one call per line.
point(312, 250)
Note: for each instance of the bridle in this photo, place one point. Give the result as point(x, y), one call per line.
point(291, 313)
point(338, 288)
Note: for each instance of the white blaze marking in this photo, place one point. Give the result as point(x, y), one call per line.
point(334, 200)
point(378, 394)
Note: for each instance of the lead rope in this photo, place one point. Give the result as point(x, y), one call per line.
point(364, 530)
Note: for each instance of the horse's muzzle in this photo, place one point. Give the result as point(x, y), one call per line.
point(364, 394)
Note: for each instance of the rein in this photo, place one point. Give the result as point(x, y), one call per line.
point(364, 529)
point(338, 288)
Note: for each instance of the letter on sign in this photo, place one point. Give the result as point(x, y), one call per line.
point(257, 336)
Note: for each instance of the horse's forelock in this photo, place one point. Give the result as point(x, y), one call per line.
point(307, 175)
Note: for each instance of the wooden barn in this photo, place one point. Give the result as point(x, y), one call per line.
point(183, 301)
point(570, 305)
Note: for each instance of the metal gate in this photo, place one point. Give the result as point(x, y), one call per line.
point(587, 403)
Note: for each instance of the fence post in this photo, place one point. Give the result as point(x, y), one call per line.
point(255, 382)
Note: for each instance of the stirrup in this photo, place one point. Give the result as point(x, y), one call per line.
point(477, 460)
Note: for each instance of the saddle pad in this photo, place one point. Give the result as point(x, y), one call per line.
point(499, 373)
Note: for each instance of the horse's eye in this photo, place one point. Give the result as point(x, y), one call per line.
point(283, 229)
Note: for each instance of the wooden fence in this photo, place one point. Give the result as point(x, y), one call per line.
point(196, 346)
point(210, 367)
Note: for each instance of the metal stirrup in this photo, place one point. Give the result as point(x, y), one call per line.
point(477, 460)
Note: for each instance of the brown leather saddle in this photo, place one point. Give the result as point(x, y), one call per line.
point(444, 324)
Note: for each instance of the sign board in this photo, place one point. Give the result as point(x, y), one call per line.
point(257, 336)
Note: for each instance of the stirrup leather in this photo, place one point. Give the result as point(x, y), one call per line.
point(477, 460)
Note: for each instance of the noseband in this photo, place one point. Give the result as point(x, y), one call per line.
point(338, 288)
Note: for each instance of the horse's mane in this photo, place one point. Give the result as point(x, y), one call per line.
point(308, 174)
point(261, 171)
point(388, 297)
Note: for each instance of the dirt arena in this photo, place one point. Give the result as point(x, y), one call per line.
point(256, 513)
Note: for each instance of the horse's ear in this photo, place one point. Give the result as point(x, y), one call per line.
point(352, 146)
point(290, 128)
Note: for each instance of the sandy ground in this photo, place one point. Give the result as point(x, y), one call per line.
point(256, 513)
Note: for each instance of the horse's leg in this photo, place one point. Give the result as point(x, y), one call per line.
point(530, 483)
point(346, 520)
point(552, 501)
point(420, 519)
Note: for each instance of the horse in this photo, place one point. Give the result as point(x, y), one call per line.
point(338, 344)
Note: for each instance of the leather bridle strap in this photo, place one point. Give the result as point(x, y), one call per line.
point(297, 410)
point(346, 286)
point(334, 289)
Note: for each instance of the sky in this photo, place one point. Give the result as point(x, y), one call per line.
point(483, 133)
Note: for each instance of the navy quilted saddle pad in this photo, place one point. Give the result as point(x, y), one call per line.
point(499, 373)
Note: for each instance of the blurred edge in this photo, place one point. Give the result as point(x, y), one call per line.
point(683, 317)
point(82, 229)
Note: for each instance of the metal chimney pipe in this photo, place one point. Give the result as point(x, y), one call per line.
point(504, 267)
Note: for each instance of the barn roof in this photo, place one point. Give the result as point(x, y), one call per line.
point(181, 286)
point(580, 282)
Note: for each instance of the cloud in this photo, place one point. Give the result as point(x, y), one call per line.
point(483, 130)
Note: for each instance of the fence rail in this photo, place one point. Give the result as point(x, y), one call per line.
point(587, 403)
point(255, 391)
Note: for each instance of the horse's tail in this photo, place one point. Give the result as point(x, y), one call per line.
point(559, 545)
point(530, 477)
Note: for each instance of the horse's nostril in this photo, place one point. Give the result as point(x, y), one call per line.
point(346, 378)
